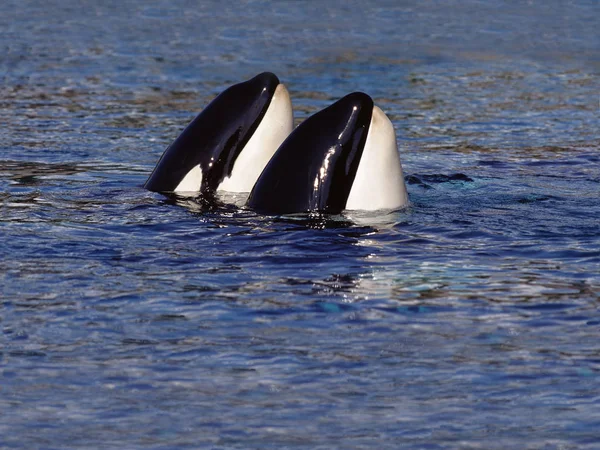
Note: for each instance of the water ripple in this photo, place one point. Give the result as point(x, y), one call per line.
point(467, 320)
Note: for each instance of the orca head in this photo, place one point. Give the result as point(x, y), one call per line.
point(343, 157)
point(228, 144)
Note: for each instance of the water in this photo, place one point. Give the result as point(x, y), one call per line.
point(469, 320)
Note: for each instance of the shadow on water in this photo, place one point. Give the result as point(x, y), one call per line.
point(426, 181)
point(228, 204)
point(27, 173)
point(224, 206)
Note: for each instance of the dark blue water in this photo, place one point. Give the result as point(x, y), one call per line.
point(469, 320)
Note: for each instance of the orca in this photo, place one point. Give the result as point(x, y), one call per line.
point(226, 147)
point(344, 157)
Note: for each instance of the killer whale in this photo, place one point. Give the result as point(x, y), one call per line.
point(229, 143)
point(344, 157)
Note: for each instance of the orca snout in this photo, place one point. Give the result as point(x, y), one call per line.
point(342, 157)
point(379, 181)
point(273, 128)
point(228, 144)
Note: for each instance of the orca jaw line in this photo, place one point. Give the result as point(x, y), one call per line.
point(379, 181)
point(314, 167)
point(205, 154)
point(275, 126)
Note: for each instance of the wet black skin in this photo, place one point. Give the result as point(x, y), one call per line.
point(326, 147)
point(217, 135)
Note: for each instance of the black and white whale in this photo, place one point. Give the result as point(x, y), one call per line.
point(228, 144)
point(344, 157)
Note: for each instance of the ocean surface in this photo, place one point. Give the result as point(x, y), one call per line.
point(469, 320)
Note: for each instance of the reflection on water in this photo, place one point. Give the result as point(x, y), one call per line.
point(467, 320)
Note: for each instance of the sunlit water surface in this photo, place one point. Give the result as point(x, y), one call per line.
point(468, 320)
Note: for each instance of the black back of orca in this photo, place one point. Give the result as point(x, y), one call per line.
point(214, 139)
point(314, 168)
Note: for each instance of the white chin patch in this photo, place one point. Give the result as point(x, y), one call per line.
point(379, 182)
point(191, 182)
point(276, 125)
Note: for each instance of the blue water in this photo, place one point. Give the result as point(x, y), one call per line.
point(469, 320)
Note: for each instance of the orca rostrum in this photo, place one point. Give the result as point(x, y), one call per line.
point(226, 147)
point(344, 157)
